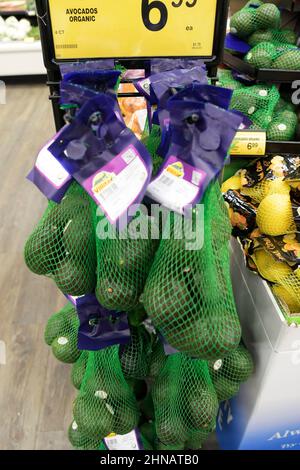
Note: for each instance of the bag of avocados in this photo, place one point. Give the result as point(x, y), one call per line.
point(255, 16)
point(188, 294)
point(276, 55)
point(61, 334)
point(106, 403)
point(105, 157)
point(81, 441)
point(62, 246)
point(185, 401)
point(124, 259)
point(99, 327)
point(229, 373)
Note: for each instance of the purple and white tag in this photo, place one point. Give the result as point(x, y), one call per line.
point(117, 185)
point(50, 168)
point(177, 185)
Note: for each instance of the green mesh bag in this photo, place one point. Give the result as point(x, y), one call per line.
point(274, 56)
point(248, 20)
point(105, 403)
point(228, 374)
point(284, 36)
point(62, 246)
point(78, 369)
point(283, 126)
point(124, 263)
point(226, 80)
point(188, 295)
point(157, 360)
point(135, 356)
point(61, 334)
point(185, 401)
point(257, 103)
point(152, 143)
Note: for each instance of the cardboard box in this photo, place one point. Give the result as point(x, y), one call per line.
point(266, 413)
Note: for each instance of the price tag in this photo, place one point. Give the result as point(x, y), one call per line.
point(133, 28)
point(249, 143)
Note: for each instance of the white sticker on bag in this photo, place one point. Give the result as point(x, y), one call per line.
point(51, 169)
point(126, 442)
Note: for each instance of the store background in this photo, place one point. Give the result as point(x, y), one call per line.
point(36, 394)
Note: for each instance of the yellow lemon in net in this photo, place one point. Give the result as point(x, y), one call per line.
point(277, 186)
point(256, 193)
point(232, 183)
point(269, 268)
point(274, 215)
point(291, 301)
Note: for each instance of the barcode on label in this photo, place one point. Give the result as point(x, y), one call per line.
point(129, 156)
point(112, 442)
point(107, 192)
point(166, 180)
point(66, 46)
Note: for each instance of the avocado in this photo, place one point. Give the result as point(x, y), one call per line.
point(74, 278)
point(286, 36)
point(244, 102)
point(243, 23)
point(268, 17)
point(158, 360)
point(225, 388)
point(56, 325)
point(79, 239)
point(170, 429)
point(113, 294)
point(289, 60)
point(147, 407)
point(283, 126)
point(261, 56)
point(137, 315)
point(93, 417)
point(125, 419)
point(203, 406)
point(79, 440)
point(78, 369)
point(65, 349)
point(135, 356)
point(167, 447)
point(239, 365)
point(260, 36)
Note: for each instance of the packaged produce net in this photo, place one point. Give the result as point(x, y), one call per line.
point(105, 403)
point(78, 369)
point(229, 373)
point(135, 356)
point(188, 294)
point(283, 36)
point(61, 334)
point(257, 103)
point(248, 20)
point(80, 441)
point(62, 246)
point(124, 259)
point(185, 402)
point(274, 56)
point(283, 126)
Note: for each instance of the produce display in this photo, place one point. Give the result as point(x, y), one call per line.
point(263, 202)
point(272, 47)
point(265, 107)
point(156, 379)
point(12, 29)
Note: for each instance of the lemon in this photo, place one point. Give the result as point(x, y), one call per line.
point(269, 268)
point(277, 186)
point(232, 183)
point(291, 301)
point(275, 215)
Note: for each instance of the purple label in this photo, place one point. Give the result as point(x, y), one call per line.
point(117, 185)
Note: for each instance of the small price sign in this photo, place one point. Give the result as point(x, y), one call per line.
point(133, 28)
point(249, 143)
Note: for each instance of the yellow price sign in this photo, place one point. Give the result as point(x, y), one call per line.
point(85, 29)
point(249, 143)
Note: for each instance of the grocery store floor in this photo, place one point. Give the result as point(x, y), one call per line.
point(35, 389)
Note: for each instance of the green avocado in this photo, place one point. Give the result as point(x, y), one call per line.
point(148, 431)
point(158, 360)
point(78, 369)
point(243, 23)
point(75, 278)
point(117, 295)
point(261, 56)
point(125, 419)
point(203, 407)
point(147, 408)
point(65, 349)
point(260, 36)
point(238, 365)
point(289, 60)
point(283, 127)
point(56, 325)
point(79, 440)
point(93, 417)
point(171, 430)
point(287, 36)
point(268, 17)
point(79, 239)
point(225, 388)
